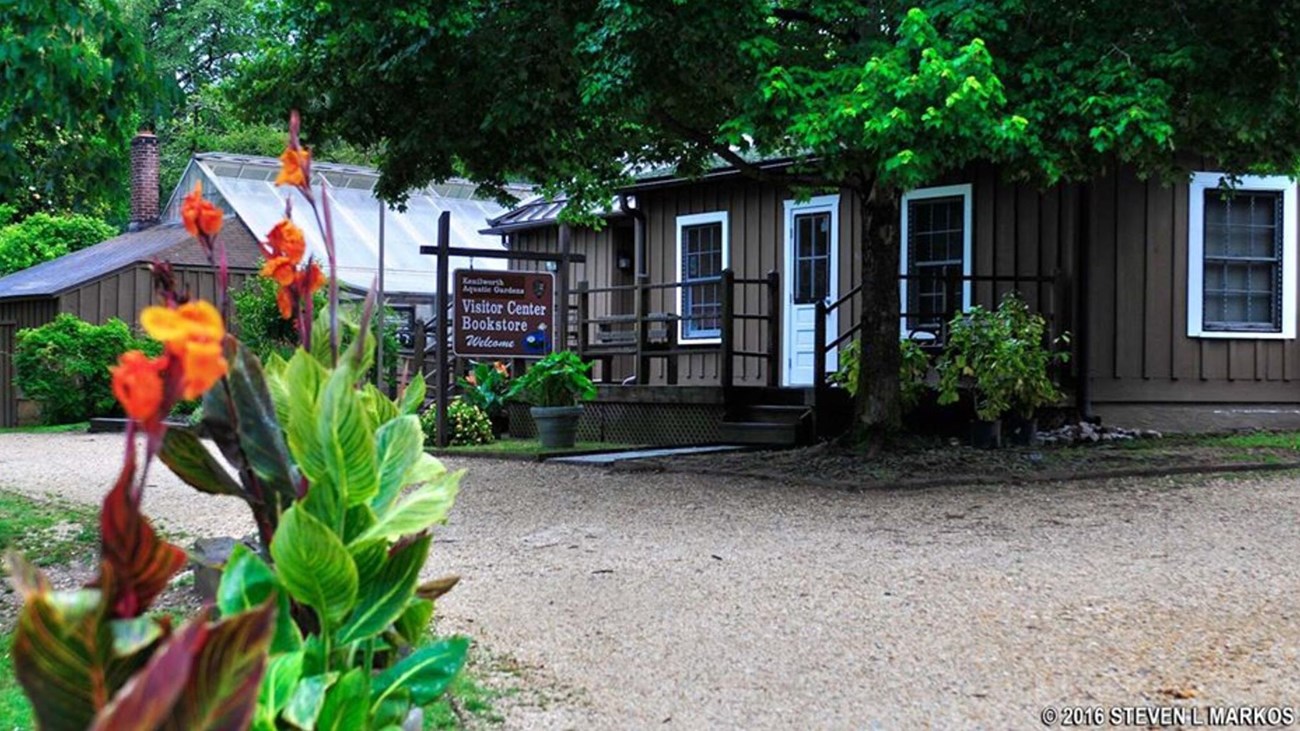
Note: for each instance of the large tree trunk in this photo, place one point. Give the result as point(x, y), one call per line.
point(878, 407)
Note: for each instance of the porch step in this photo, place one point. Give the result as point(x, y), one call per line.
point(759, 432)
point(771, 413)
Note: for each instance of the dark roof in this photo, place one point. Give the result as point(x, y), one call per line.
point(534, 212)
point(539, 211)
point(168, 242)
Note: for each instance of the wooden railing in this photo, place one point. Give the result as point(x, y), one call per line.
point(645, 334)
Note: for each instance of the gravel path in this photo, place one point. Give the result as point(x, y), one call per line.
point(673, 601)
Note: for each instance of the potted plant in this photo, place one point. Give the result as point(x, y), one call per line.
point(554, 386)
point(1028, 362)
point(975, 358)
point(1003, 358)
point(486, 387)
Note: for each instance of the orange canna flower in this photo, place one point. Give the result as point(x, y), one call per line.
point(138, 385)
point(284, 298)
point(204, 365)
point(282, 269)
point(199, 215)
point(193, 334)
point(471, 380)
point(286, 241)
point(501, 368)
point(293, 167)
point(314, 278)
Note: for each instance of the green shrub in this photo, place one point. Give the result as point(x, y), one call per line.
point(913, 369)
point(42, 237)
point(261, 329)
point(486, 387)
point(258, 323)
point(469, 425)
point(559, 379)
point(1002, 356)
point(63, 366)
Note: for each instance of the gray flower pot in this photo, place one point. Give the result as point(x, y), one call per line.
point(557, 426)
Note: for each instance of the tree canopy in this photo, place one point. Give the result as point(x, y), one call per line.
point(870, 97)
point(76, 77)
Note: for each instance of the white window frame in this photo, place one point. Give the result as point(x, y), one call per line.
point(966, 192)
point(695, 219)
point(1202, 181)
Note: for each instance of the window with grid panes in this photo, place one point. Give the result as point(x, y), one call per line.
point(1242, 261)
point(702, 264)
point(935, 249)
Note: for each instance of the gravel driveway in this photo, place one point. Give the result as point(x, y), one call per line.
point(673, 601)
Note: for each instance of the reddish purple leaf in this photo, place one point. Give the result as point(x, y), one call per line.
point(221, 691)
point(142, 562)
point(147, 699)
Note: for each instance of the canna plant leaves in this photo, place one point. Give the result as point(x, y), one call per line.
point(400, 445)
point(413, 625)
point(425, 673)
point(314, 565)
point(412, 397)
point(347, 703)
point(435, 588)
point(282, 675)
point(416, 511)
point(303, 378)
point(63, 649)
point(384, 596)
point(240, 416)
point(246, 583)
point(221, 691)
point(192, 462)
point(141, 562)
point(148, 697)
point(133, 635)
point(308, 697)
point(382, 409)
point(347, 440)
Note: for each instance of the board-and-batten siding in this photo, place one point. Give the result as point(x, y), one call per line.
point(14, 316)
point(1141, 352)
point(121, 294)
point(1016, 230)
point(124, 293)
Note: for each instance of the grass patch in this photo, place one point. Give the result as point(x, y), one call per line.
point(15, 710)
point(474, 699)
point(533, 447)
point(49, 532)
point(79, 426)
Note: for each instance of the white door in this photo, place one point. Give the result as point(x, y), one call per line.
point(812, 248)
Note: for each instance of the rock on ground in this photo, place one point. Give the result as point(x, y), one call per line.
point(676, 601)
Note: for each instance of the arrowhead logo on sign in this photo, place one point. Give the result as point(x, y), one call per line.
point(502, 314)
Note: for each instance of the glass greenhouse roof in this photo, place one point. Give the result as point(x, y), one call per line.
point(245, 187)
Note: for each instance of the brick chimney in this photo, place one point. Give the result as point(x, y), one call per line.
point(144, 180)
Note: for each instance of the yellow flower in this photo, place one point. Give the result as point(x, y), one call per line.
point(193, 334)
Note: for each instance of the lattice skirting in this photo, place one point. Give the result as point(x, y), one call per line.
point(635, 423)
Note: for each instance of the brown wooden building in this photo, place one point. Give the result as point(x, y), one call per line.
point(1181, 301)
point(110, 280)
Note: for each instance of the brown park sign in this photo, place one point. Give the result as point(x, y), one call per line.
point(502, 314)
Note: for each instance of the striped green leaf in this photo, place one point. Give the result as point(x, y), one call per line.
point(416, 511)
point(384, 596)
point(425, 673)
point(314, 565)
